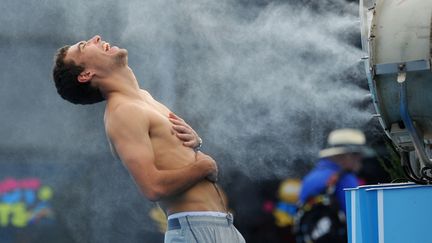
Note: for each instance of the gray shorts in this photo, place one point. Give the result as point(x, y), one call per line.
point(202, 229)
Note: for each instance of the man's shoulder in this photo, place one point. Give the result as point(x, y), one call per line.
point(318, 175)
point(125, 114)
point(123, 109)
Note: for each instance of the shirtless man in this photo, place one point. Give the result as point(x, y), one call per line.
point(150, 140)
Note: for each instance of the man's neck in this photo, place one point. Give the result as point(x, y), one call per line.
point(122, 82)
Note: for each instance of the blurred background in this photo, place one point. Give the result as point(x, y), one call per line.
point(261, 81)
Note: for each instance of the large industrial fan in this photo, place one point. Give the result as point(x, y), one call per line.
point(396, 35)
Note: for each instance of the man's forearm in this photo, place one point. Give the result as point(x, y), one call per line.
point(172, 182)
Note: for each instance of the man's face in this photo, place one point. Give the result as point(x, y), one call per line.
point(353, 162)
point(97, 55)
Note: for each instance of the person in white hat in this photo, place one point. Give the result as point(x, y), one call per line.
point(321, 214)
point(342, 156)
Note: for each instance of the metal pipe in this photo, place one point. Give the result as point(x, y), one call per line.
point(408, 170)
point(409, 125)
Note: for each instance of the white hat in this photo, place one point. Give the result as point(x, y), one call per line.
point(343, 141)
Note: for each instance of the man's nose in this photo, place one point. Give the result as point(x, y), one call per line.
point(95, 39)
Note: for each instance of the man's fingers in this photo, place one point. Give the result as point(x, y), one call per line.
point(181, 129)
point(184, 132)
point(174, 116)
point(189, 143)
point(185, 137)
point(178, 122)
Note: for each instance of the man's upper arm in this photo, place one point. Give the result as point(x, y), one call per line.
point(128, 131)
point(128, 128)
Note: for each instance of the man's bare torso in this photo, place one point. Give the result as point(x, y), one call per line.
point(169, 153)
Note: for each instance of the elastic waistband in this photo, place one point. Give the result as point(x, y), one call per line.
point(188, 220)
point(197, 213)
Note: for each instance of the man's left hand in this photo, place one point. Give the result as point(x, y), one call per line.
point(184, 132)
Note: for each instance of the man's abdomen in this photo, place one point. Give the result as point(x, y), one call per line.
point(201, 197)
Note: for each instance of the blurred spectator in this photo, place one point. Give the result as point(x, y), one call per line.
point(321, 215)
point(285, 210)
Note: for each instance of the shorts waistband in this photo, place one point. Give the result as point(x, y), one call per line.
point(197, 213)
point(188, 220)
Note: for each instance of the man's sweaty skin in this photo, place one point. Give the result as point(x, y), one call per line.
point(140, 130)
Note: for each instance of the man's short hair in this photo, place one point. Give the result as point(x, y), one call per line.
point(65, 75)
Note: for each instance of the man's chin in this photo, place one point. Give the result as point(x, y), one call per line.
point(122, 57)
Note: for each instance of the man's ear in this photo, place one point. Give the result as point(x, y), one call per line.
point(85, 76)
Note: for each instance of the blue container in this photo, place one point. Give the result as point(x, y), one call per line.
point(389, 213)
